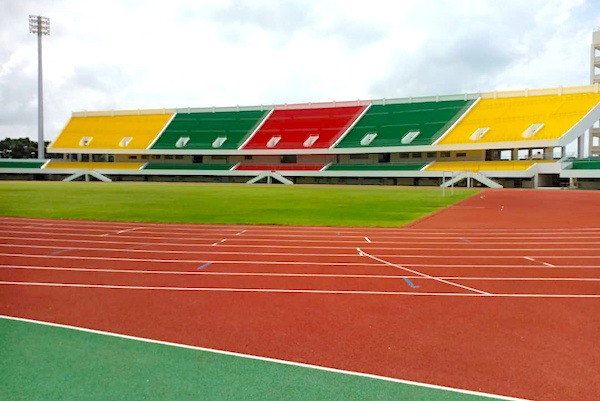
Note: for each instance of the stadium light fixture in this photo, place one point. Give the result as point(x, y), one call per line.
point(40, 26)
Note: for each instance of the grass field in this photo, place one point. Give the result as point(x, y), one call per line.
point(52, 363)
point(224, 203)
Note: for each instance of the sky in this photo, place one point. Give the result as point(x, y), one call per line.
point(140, 54)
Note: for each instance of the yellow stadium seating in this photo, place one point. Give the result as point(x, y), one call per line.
point(94, 165)
point(508, 118)
point(124, 132)
point(483, 165)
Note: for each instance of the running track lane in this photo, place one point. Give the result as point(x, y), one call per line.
point(534, 348)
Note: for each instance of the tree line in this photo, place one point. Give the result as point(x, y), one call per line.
point(20, 148)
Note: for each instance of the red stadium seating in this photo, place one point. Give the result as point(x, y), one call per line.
point(304, 128)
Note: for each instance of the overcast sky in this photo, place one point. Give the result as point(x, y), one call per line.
point(130, 54)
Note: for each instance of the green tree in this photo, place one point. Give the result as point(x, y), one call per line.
point(20, 148)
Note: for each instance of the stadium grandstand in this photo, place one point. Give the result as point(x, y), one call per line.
point(498, 139)
point(527, 138)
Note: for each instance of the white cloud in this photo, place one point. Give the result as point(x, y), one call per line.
point(148, 54)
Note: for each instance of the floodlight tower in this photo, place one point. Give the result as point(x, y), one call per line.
point(40, 26)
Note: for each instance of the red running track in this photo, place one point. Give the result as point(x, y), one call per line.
point(504, 308)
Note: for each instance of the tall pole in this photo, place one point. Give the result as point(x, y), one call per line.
point(40, 26)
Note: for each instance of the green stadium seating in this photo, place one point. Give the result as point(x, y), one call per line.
point(586, 164)
point(204, 130)
point(187, 166)
point(21, 163)
point(392, 123)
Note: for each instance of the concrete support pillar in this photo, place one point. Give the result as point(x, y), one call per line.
point(514, 154)
point(581, 146)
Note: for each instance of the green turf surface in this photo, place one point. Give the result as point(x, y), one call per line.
point(224, 203)
point(40, 362)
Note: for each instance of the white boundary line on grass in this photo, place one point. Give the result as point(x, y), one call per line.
point(264, 359)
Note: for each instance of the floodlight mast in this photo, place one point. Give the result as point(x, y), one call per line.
point(40, 26)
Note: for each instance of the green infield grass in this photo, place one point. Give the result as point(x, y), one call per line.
point(49, 363)
point(316, 205)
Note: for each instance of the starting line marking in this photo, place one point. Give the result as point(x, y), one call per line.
point(539, 261)
point(363, 253)
point(410, 283)
point(265, 359)
point(368, 240)
point(128, 230)
point(61, 251)
point(204, 266)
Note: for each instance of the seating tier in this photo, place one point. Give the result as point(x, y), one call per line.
point(309, 128)
point(67, 165)
point(482, 165)
point(203, 130)
point(123, 132)
point(377, 167)
point(279, 167)
point(391, 123)
point(508, 119)
point(21, 163)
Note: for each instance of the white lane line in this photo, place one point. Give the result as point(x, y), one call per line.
point(302, 232)
point(363, 253)
point(201, 261)
point(528, 258)
point(184, 226)
point(435, 244)
point(297, 245)
point(270, 274)
point(265, 359)
point(287, 262)
point(548, 264)
point(294, 291)
point(324, 237)
point(283, 262)
point(186, 252)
